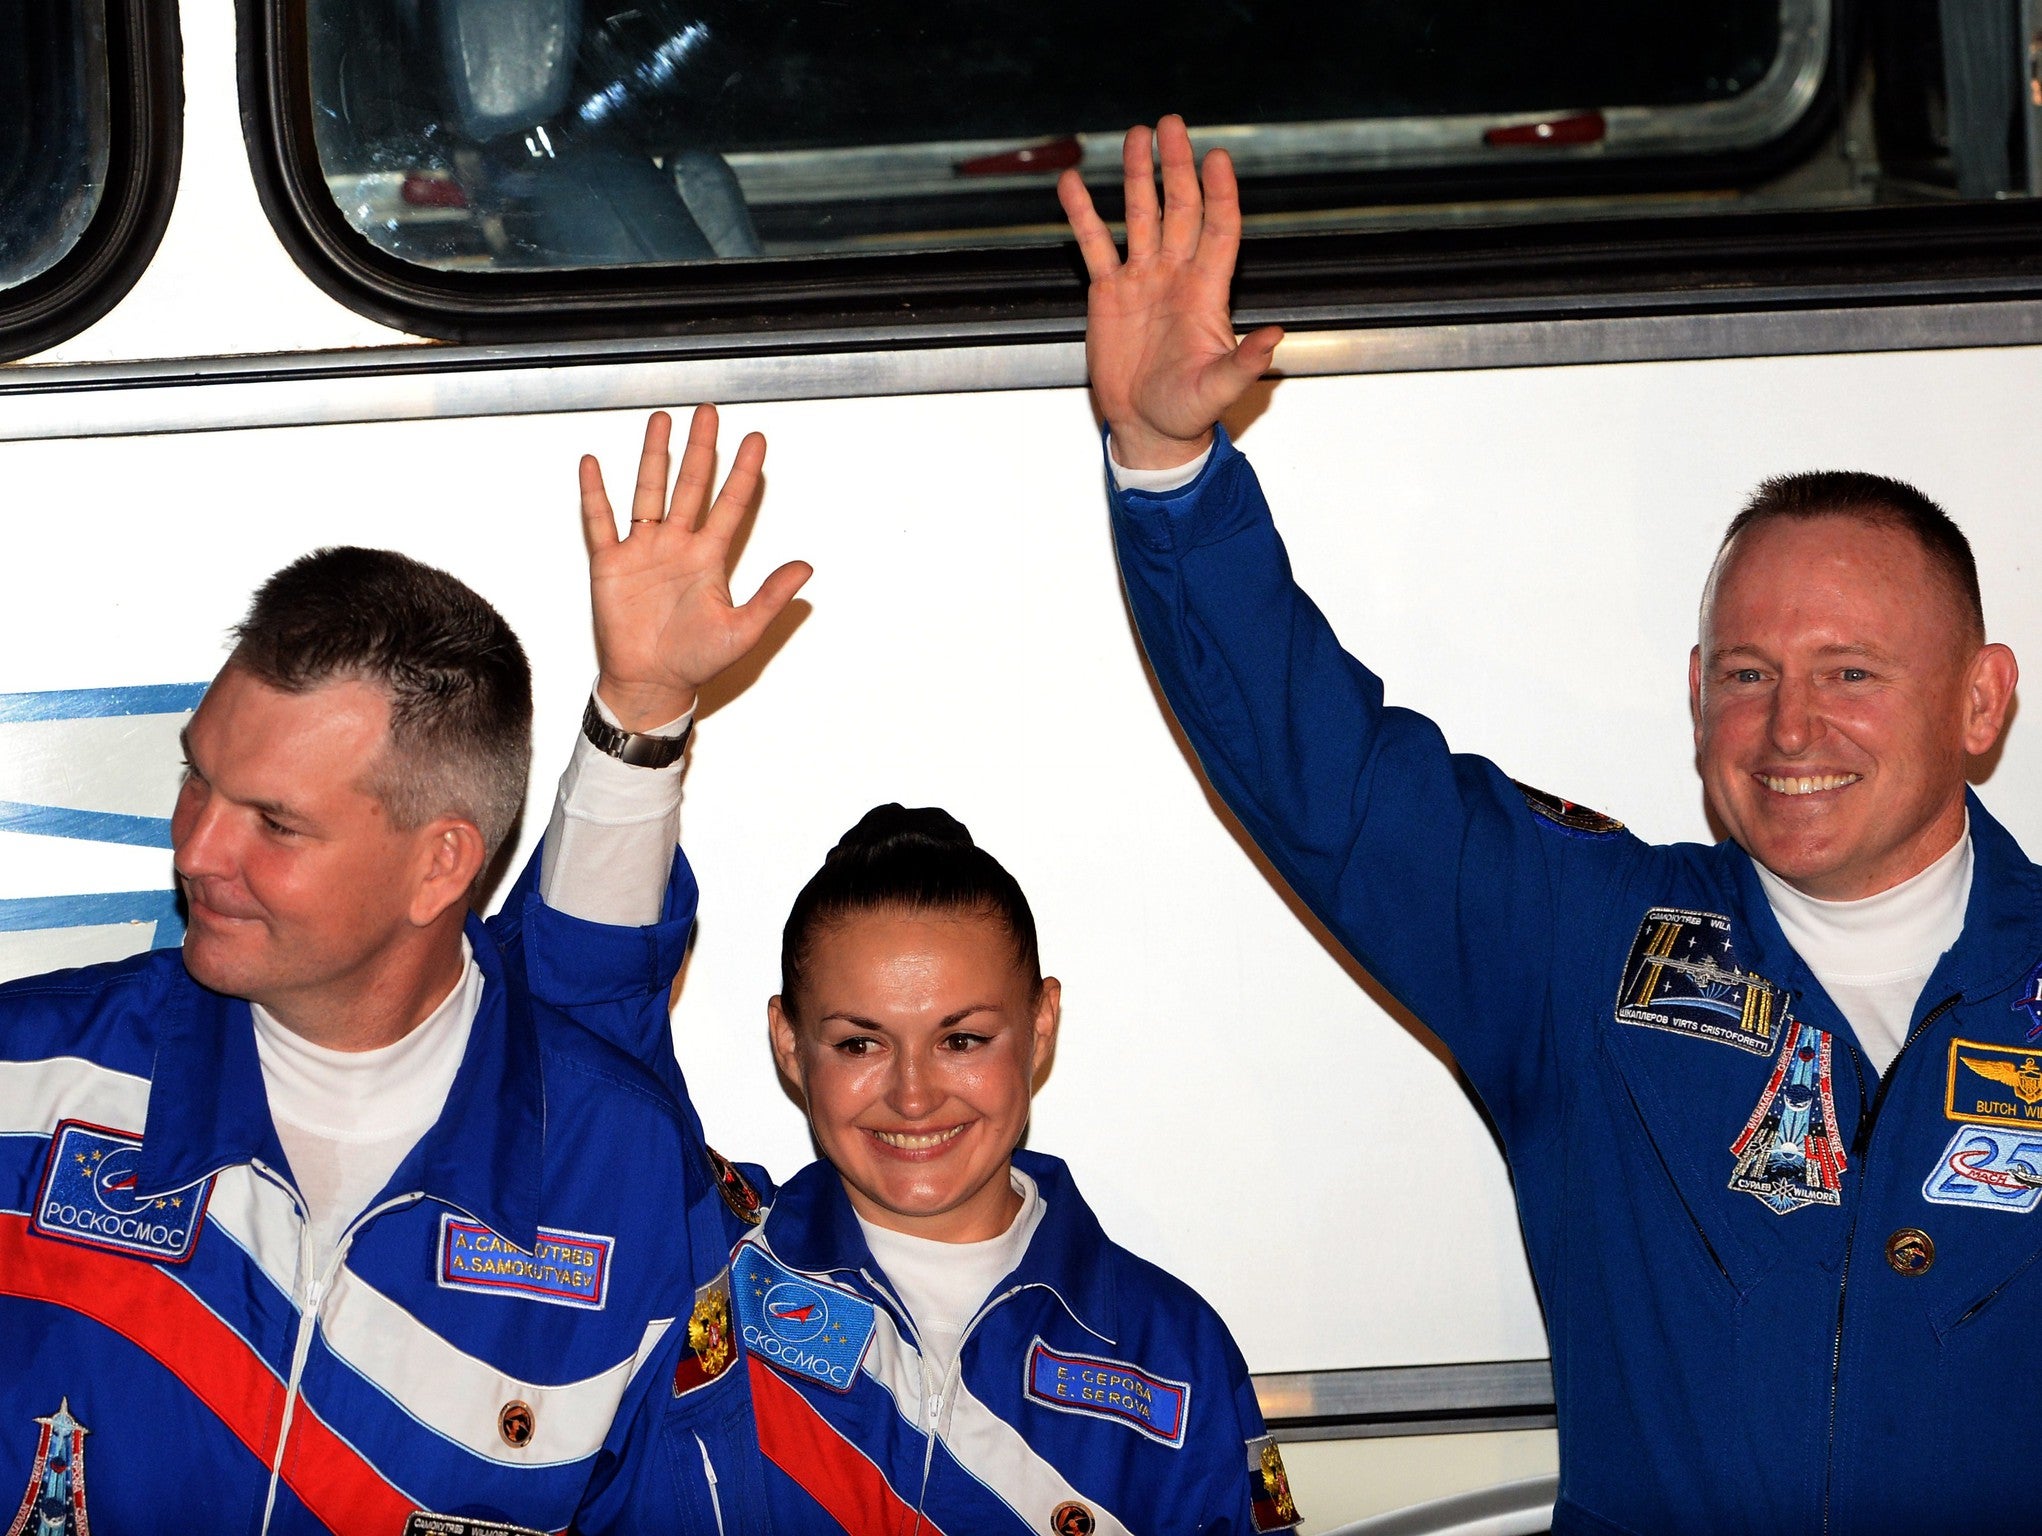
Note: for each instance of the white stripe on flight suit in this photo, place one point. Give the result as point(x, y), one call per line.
point(35, 1095)
point(457, 1395)
point(984, 1444)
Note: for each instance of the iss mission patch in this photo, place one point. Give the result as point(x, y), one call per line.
point(1682, 975)
point(91, 1193)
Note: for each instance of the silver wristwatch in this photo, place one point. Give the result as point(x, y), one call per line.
point(633, 747)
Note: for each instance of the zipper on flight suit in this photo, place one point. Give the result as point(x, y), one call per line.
point(1861, 1148)
point(308, 1310)
point(709, 1474)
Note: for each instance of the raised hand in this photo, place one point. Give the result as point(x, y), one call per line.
point(1159, 341)
point(664, 617)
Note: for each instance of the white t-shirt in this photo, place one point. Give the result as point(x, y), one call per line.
point(943, 1285)
point(1874, 955)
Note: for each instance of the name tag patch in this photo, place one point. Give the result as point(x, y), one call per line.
point(424, 1523)
point(1112, 1389)
point(91, 1194)
point(568, 1269)
point(1988, 1169)
point(805, 1328)
point(1994, 1085)
point(1682, 976)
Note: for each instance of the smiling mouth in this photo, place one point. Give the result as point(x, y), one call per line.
point(918, 1141)
point(1810, 784)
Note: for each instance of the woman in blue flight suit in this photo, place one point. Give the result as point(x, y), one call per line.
point(931, 1331)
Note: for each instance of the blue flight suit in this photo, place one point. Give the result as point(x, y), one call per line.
point(1093, 1392)
point(1783, 1294)
point(479, 1348)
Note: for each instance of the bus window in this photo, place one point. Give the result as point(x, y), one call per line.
point(560, 133)
point(544, 167)
point(54, 123)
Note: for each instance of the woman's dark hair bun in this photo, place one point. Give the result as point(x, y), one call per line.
point(886, 828)
point(913, 860)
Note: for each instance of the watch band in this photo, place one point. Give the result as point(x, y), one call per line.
point(633, 747)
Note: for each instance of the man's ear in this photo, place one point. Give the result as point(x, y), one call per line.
point(451, 855)
point(1988, 690)
point(1694, 691)
point(786, 1047)
point(1049, 1014)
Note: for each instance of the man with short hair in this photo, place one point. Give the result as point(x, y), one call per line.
point(339, 1220)
point(1773, 1107)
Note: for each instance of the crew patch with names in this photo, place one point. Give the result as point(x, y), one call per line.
point(424, 1523)
point(1269, 1497)
point(1790, 1154)
point(54, 1504)
point(91, 1194)
point(1683, 976)
point(804, 1327)
point(565, 1269)
point(1110, 1389)
point(1988, 1169)
point(1566, 815)
point(711, 1341)
point(1994, 1085)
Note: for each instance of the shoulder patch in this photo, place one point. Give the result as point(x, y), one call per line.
point(1111, 1389)
point(1566, 815)
point(735, 1188)
point(805, 1327)
point(1682, 976)
point(88, 1196)
point(1269, 1487)
point(568, 1269)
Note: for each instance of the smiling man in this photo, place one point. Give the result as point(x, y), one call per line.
point(339, 1220)
point(1773, 1107)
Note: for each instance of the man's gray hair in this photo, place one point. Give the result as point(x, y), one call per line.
point(459, 686)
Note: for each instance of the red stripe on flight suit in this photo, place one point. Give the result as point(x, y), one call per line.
point(136, 1300)
point(828, 1468)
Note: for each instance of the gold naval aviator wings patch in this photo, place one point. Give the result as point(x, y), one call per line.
point(1994, 1085)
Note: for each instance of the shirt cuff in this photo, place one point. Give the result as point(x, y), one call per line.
point(1155, 481)
point(611, 842)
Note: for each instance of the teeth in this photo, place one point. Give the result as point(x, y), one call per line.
point(919, 1141)
point(1807, 785)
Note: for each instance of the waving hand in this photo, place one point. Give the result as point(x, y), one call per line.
point(665, 620)
point(1159, 342)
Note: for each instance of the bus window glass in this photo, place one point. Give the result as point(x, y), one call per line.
point(563, 134)
point(53, 131)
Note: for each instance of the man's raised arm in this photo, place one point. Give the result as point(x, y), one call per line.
point(1416, 858)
